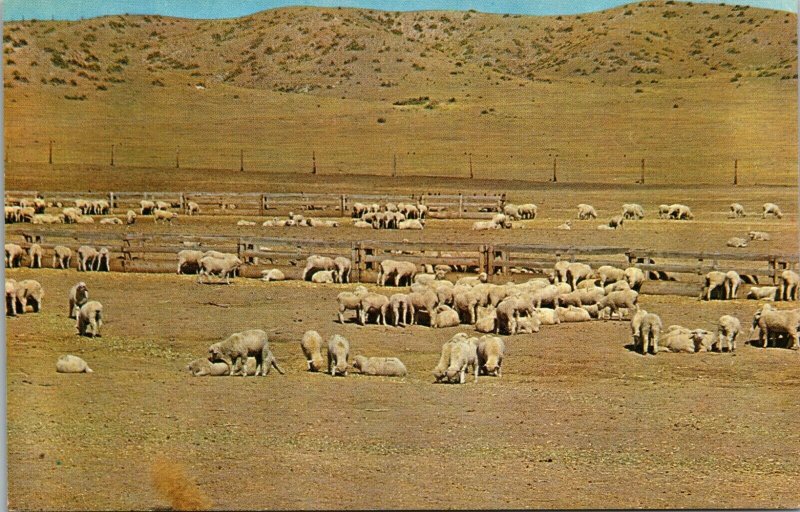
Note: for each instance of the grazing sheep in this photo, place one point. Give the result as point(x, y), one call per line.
point(189, 261)
point(565, 226)
point(759, 236)
point(192, 208)
point(272, 275)
point(527, 211)
point(373, 303)
point(650, 332)
point(11, 297)
point(35, 253)
point(402, 272)
point(572, 314)
point(632, 211)
point(111, 220)
point(78, 296)
point(763, 293)
point(663, 211)
point(72, 364)
point(614, 302)
point(586, 212)
point(487, 317)
point(785, 323)
point(351, 301)
point(235, 350)
point(771, 209)
point(727, 329)
point(14, 255)
point(463, 354)
point(635, 278)
point(737, 210)
point(311, 344)
point(130, 217)
point(338, 355)
point(344, 267)
point(87, 256)
point(223, 268)
point(202, 367)
point(422, 300)
point(490, 351)
point(445, 317)
point(165, 216)
point(380, 366)
point(511, 211)
point(732, 283)
point(440, 371)
point(616, 222)
point(325, 277)
point(89, 317)
point(788, 285)
point(636, 325)
point(680, 212)
point(714, 280)
point(29, 293)
point(736, 242)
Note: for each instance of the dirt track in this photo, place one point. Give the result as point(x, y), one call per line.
point(576, 421)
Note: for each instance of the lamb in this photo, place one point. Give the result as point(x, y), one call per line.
point(763, 293)
point(445, 317)
point(490, 351)
point(380, 366)
point(338, 355)
point(311, 344)
point(401, 271)
point(90, 316)
point(485, 225)
point(572, 314)
point(771, 209)
point(728, 328)
point(463, 354)
point(272, 275)
point(615, 301)
point(759, 236)
point(325, 277)
point(737, 210)
point(736, 242)
point(72, 364)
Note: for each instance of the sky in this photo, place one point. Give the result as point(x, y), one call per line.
point(76, 9)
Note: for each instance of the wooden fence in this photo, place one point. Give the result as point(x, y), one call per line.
point(156, 253)
point(257, 203)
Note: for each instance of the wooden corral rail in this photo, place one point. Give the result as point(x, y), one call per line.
point(258, 203)
point(137, 251)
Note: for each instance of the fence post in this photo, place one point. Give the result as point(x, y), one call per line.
point(111, 200)
point(343, 205)
point(262, 202)
point(482, 259)
point(490, 261)
point(460, 205)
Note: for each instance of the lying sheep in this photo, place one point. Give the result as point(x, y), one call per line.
point(528, 324)
point(445, 316)
point(380, 366)
point(311, 344)
point(473, 280)
point(325, 277)
point(572, 314)
point(490, 352)
point(565, 226)
point(272, 275)
point(111, 220)
point(244, 222)
point(547, 316)
point(759, 236)
point(679, 340)
point(202, 367)
point(736, 242)
point(763, 293)
point(338, 355)
point(72, 364)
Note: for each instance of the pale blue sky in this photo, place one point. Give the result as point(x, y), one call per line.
point(75, 9)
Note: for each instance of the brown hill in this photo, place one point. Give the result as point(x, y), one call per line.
point(353, 51)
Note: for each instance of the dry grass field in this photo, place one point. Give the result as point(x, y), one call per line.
point(578, 420)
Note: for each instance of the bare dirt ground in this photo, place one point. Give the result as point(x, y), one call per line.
point(577, 419)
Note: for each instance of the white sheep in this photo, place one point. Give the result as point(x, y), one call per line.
point(272, 275)
point(380, 366)
point(490, 351)
point(72, 364)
